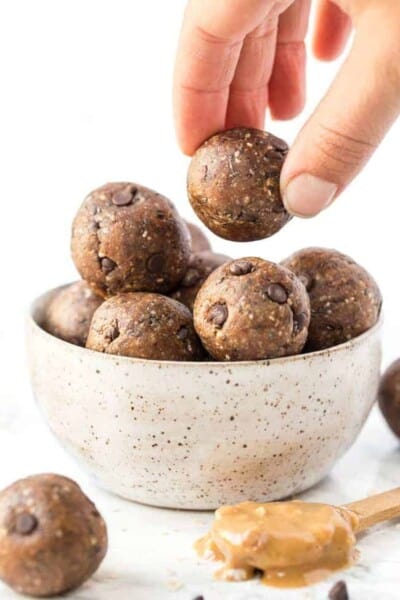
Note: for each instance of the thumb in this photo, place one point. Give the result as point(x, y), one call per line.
point(350, 121)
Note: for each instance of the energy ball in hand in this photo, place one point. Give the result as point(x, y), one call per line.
point(52, 538)
point(233, 184)
point(251, 309)
point(128, 238)
point(69, 314)
point(389, 397)
point(345, 300)
point(200, 266)
point(200, 242)
point(145, 325)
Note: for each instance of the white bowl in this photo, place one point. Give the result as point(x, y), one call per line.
point(198, 435)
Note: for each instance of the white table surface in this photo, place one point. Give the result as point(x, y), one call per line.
point(150, 553)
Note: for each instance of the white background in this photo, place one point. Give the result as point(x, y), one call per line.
point(85, 98)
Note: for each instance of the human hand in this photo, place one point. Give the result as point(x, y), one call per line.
point(236, 58)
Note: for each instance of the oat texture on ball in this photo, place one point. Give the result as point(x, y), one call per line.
point(200, 266)
point(69, 314)
point(389, 396)
point(144, 325)
point(345, 299)
point(126, 237)
point(252, 309)
point(52, 538)
point(233, 184)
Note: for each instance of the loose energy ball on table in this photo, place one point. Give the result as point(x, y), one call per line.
point(200, 266)
point(389, 397)
point(345, 300)
point(233, 184)
point(52, 538)
point(70, 312)
point(128, 238)
point(145, 325)
point(200, 242)
point(252, 309)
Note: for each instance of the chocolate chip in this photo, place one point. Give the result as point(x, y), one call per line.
point(112, 332)
point(124, 197)
point(182, 333)
point(299, 321)
point(199, 598)
point(25, 523)
point(277, 293)
point(278, 144)
point(192, 276)
point(218, 314)
point(155, 263)
point(339, 591)
point(107, 265)
point(273, 155)
point(241, 267)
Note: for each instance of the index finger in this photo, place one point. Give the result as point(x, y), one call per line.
point(209, 48)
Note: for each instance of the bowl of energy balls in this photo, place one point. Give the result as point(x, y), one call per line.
point(180, 377)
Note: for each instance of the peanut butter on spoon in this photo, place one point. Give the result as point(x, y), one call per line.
point(293, 544)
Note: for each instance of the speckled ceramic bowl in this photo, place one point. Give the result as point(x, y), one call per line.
point(197, 435)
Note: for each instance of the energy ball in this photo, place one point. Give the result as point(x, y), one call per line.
point(145, 325)
point(345, 300)
point(200, 266)
point(128, 238)
point(233, 184)
point(200, 242)
point(251, 309)
point(52, 538)
point(389, 397)
point(69, 314)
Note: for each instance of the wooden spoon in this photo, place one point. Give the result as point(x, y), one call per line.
point(376, 509)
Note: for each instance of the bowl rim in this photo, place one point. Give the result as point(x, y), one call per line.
point(326, 352)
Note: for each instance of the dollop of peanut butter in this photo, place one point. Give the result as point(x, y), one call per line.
point(293, 544)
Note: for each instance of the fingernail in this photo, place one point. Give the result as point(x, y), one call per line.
point(306, 195)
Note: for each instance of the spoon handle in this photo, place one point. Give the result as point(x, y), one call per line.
point(376, 509)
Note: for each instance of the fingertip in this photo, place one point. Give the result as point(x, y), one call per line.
point(306, 195)
point(327, 48)
point(323, 53)
point(187, 149)
point(198, 116)
point(331, 32)
point(185, 142)
point(287, 111)
point(189, 145)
